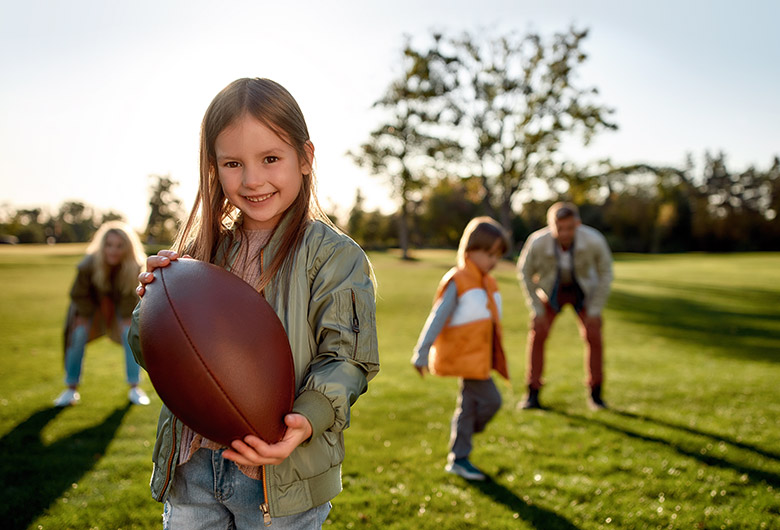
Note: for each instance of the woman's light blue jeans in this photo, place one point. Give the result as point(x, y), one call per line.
point(74, 357)
point(210, 492)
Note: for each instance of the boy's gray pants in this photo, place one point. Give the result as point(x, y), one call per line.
point(478, 402)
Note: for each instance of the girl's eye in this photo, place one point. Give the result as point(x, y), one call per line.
point(232, 164)
point(270, 159)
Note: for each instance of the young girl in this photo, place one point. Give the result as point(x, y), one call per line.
point(256, 215)
point(463, 335)
point(102, 301)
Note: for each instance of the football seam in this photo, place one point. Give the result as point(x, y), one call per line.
point(202, 362)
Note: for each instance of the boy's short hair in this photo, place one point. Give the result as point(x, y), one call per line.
point(481, 234)
point(562, 210)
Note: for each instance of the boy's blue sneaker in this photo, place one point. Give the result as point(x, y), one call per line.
point(463, 468)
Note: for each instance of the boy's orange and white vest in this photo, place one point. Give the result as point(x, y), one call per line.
point(470, 343)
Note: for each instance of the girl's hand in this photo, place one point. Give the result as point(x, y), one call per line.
point(162, 259)
point(253, 451)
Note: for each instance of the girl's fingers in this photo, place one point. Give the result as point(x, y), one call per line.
point(155, 262)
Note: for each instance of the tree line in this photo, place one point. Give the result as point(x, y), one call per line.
point(76, 222)
point(473, 121)
point(639, 208)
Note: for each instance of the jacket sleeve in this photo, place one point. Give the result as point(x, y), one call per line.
point(127, 303)
point(527, 269)
point(603, 262)
point(342, 316)
point(81, 292)
point(440, 313)
point(133, 337)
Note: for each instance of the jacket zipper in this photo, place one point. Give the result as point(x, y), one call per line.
point(264, 507)
point(170, 459)
point(355, 321)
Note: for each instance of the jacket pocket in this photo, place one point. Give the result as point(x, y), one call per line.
point(357, 325)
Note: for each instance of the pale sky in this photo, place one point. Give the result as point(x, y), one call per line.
point(96, 95)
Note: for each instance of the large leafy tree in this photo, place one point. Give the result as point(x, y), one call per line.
point(406, 147)
point(515, 99)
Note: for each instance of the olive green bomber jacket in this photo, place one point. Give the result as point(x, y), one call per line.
point(330, 322)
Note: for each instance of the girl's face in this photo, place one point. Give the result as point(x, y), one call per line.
point(114, 249)
point(486, 260)
point(260, 173)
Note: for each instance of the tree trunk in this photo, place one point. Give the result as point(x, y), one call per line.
point(403, 228)
point(487, 197)
point(505, 218)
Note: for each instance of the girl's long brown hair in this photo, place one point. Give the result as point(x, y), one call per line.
point(208, 227)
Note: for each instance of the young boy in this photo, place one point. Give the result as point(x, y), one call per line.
point(463, 336)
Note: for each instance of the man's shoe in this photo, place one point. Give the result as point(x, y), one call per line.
point(463, 468)
point(138, 396)
point(531, 399)
point(69, 396)
point(594, 400)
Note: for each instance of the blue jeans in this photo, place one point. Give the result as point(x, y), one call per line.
point(210, 493)
point(74, 357)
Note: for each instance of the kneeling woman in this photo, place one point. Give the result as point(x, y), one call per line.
point(102, 301)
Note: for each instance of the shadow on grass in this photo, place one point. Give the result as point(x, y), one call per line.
point(735, 333)
point(716, 437)
point(536, 516)
point(35, 475)
point(753, 474)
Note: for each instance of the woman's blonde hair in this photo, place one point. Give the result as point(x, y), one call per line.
point(209, 224)
point(481, 234)
point(132, 262)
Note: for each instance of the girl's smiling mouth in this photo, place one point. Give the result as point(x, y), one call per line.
point(260, 198)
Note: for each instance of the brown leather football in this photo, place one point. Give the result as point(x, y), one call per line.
point(216, 352)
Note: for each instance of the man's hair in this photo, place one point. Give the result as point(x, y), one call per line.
point(562, 210)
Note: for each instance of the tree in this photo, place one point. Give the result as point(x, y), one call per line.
point(406, 148)
point(165, 211)
point(513, 101)
point(75, 222)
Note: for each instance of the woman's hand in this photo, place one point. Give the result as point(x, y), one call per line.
point(253, 451)
point(162, 259)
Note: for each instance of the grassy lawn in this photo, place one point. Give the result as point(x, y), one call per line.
point(692, 439)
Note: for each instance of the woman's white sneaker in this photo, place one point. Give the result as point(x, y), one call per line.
point(138, 396)
point(69, 396)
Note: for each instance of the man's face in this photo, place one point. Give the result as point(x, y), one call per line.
point(564, 229)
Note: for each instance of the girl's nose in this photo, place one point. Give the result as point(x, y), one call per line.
point(252, 177)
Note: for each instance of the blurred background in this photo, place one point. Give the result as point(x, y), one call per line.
point(659, 119)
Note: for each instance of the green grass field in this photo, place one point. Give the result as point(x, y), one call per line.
point(692, 439)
